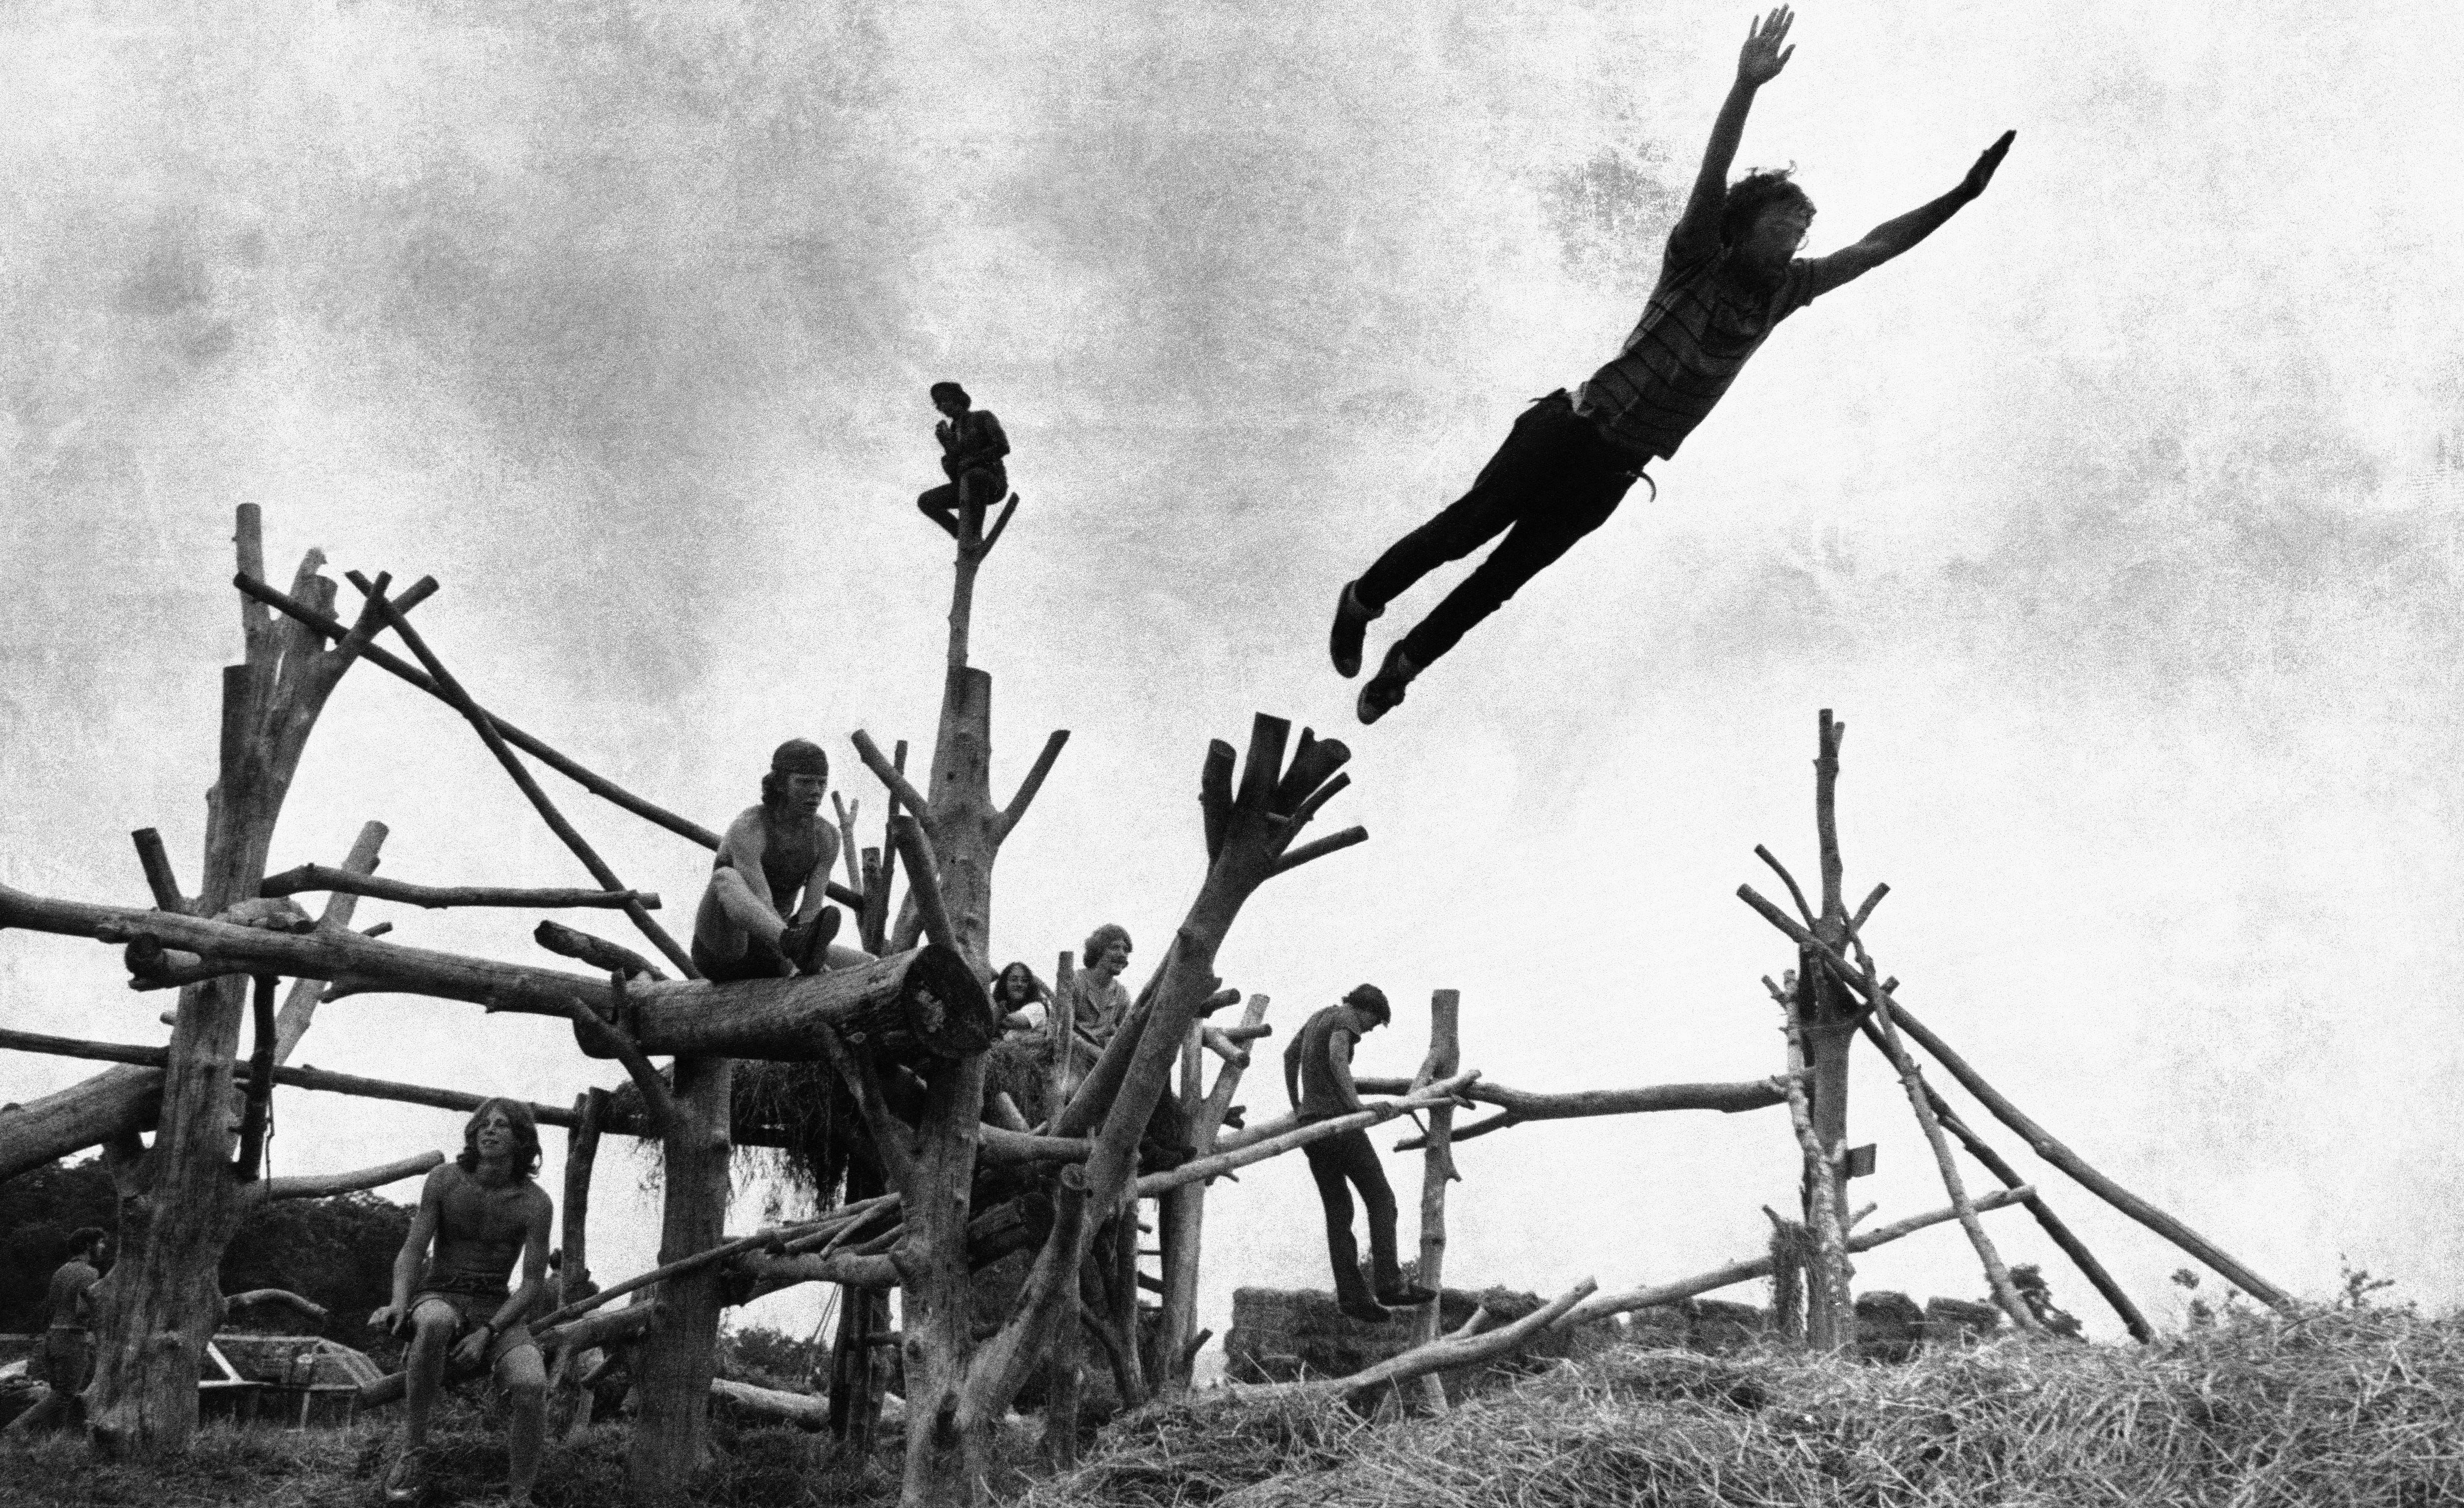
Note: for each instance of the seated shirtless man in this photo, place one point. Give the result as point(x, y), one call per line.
point(483, 1212)
point(774, 863)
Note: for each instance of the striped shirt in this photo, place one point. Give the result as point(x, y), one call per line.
point(1702, 321)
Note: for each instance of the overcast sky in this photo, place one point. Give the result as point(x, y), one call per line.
point(2118, 521)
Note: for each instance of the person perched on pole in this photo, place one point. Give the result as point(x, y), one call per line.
point(774, 863)
point(483, 1214)
point(1317, 1076)
point(973, 452)
point(1099, 1001)
point(65, 1360)
point(1729, 274)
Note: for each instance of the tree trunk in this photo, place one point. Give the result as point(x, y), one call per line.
point(679, 1357)
point(162, 1299)
point(1180, 1225)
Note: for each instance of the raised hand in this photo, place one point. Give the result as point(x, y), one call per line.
point(1762, 57)
point(1982, 173)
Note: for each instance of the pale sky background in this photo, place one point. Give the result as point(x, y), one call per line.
point(2118, 521)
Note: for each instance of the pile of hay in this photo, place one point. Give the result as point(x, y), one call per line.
point(2336, 1408)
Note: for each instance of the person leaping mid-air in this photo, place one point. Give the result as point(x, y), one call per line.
point(1729, 274)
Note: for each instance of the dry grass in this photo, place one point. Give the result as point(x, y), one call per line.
point(2334, 1409)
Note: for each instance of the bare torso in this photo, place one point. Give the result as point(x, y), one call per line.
point(479, 1233)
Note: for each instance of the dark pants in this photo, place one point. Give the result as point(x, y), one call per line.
point(1553, 481)
point(1349, 1159)
point(760, 961)
point(66, 1363)
point(974, 491)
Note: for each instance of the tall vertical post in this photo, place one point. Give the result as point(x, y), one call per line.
point(1827, 1017)
point(1180, 1221)
point(1064, 1367)
point(672, 1431)
point(1436, 1169)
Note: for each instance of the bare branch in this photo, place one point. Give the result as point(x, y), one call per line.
point(893, 1139)
point(1331, 843)
point(317, 877)
point(597, 951)
point(597, 785)
point(453, 692)
point(1034, 781)
point(319, 1186)
point(158, 878)
point(1779, 868)
point(887, 774)
point(658, 1097)
point(924, 880)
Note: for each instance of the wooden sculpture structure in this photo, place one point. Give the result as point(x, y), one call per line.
point(951, 1179)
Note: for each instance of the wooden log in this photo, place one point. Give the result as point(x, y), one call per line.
point(1829, 1311)
point(1445, 1059)
point(259, 1101)
point(581, 1156)
point(317, 1080)
point(2039, 1141)
point(299, 1006)
point(599, 1039)
point(323, 1186)
point(2050, 1223)
point(923, 884)
point(460, 700)
point(1227, 1079)
point(926, 1000)
point(597, 951)
point(326, 626)
point(1180, 1221)
point(1998, 1277)
point(317, 876)
point(609, 1328)
point(679, 1355)
point(807, 1411)
point(152, 858)
point(1443, 1354)
point(1200, 1168)
point(1522, 1106)
point(1650, 1297)
point(1064, 1362)
point(117, 1101)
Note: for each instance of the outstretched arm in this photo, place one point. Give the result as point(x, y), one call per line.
point(1758, 63)
point(1891, 237)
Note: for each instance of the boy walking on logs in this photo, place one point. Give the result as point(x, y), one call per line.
point(1317, 1076)
point(774, 862)
point(66, 1357)
point(1730, 274)
point(483, 1212)
point(972, 448)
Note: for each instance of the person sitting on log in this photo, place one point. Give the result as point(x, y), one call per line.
point(973, 446)
point(774, 862)
point(483, 1212)
point(1317, 1076)
point(64, 1362)
point(1100, 1002)
point(1729, 274)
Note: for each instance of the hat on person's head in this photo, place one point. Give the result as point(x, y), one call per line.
point(801, 757)
point(1372, 999)
point(950, 390)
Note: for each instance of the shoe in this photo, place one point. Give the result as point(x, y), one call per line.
point(1384, 691)
point(1367, 1311)
point(808, 945)
point(1406, 1296)
point(408, 1480)
point(1351, 627)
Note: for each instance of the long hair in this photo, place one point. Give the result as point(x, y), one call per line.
point(1035, 989)
point(526, 1143)
point(1750, 196)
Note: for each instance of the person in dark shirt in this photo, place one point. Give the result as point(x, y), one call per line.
point(973, 453)
point(483, 1215)
point(65, 1359)
point(1730, 274)
point(774, 863)
point(1317, 1076)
